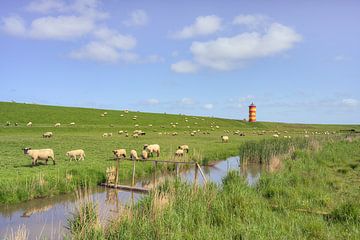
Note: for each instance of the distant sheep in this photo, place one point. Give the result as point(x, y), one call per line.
point(57, 125)
point(179, 153)
point(40, 154)
point(225, 139)
point(120, 132)
point(275, 135)
point(174, 133)
point(119, 153)
point(184, 147)
point(153, 148)
point(105, 135)
point(135, 135)
point(73, 154)
point(47, 135)
point(72, 124)
point(133, 155)
point(29, 124)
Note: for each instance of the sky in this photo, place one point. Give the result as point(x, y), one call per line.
point(298, 61)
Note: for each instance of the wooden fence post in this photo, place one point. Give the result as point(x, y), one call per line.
point(117, 172)
point(133, 174)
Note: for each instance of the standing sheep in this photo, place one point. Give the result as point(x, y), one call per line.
point(179, 153)
point(144, 154)
point(153, 148)
point(29, 124)
point(225, 139)
point(40, 154)
point(76, 153)
point(57, 125)
point(119, 153)
point(133, 155)
point(47, 135)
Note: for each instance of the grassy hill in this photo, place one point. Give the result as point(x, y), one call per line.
point(19, 181)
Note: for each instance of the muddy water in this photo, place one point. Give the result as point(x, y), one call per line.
point(47, 218)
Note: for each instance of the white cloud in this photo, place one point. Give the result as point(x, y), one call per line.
point(184, 67)
point(96, 51)
point(154, 58)
point(137, 18)
point(203, 25)
point(115, 39)
point(209, 106)
point(61, 27)
point(349, 102)
point(187, 101)
point(45, 6)
point(152, 101)
point(227, 53)
point(340, 58)
point(13, 25)
point(251, 21)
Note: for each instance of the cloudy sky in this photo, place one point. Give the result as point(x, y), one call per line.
point(298, 61)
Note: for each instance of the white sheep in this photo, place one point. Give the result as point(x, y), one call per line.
point(225, 139)
point(275, 135)
point(133, 155)
point(120, 132)
point(105, 135)
point(40, 154)
point(72, 123)
point(47, 135)
point(135, 135)
point(119, 153)
point(57, 125)
point(29, 124)
point(153, 148)
point(144, 154)
point(76, 153)
point(179, 153)
point(184, 147)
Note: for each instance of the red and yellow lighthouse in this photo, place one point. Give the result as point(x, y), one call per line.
point(252, 113)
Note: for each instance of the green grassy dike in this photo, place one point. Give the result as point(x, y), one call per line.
point(20, 182)
point(315, 195)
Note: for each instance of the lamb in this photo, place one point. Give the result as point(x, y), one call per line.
point(133, 155)
point(184, 147)
point(225, 139)
point(47, 135)
point(153, 148)
point(119, 153)
point(57, 125)
point(144, 154)
point(29, 124)
point(40, 154)
point(76, 153)
point(179, 153)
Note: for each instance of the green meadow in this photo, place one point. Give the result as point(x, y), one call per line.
point(19, 181)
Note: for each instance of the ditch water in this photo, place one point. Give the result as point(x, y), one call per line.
point(47, 218)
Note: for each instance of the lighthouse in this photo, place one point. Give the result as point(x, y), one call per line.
point(252, 113)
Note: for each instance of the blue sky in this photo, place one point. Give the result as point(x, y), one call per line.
point(298, 61)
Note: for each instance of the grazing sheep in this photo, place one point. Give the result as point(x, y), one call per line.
point(47, 135)
point(144, 154)
point(184, 147)
point(57, 125)
point(174, 133)
point(119, 153)
point(40, 154)
point(153, 148)
point(120, 132)
point(133, 155)
point(276, 135)
point(179, 153)
point(126, 135)
point(16, 124)
point(76, 153)
point(105, 135)
point(102, 115)
point(8, 123)
point(72, 124)
point(225, 139)
point(192, 134)
point(29, 124)
point(135, 135)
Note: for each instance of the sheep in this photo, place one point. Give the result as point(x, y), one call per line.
point(110, 134)
point(126, 135)
point(179, 153)
point(184, 147)
point(152, 148)
point(192, 134)
point(57, 125)
point(8, 123)
point(133, 155)
point(76, 153)
point(275, 135)
point(105, 135)
point(119, 153)
point(47, 135)
point(174, 133)
point(135, 135)
point(144, 154)
point(306, 136)
point(120, 132)
point(39, 154)
point(16, 124)
point(225, 139)
point(72, 123)
point(29, 124)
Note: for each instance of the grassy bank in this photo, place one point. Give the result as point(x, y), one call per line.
point(314, 196)
point(19, 181)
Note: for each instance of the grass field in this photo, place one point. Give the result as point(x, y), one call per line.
point(314, 196)
point(19, 181)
